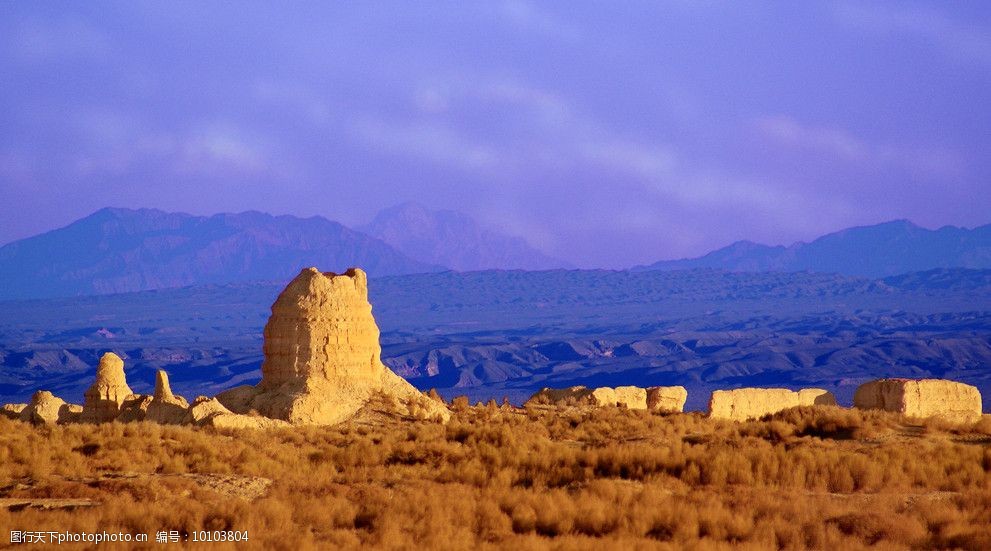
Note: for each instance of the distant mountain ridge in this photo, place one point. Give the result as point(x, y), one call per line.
point(453, 239)
point(123, 250)
point(120, 250)
point(876, 251)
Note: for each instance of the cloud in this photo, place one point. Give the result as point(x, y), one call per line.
point(440, 136)
point(565, 144)
point(116, 143)
point(958, 39)
point(440, 92)
point(594, 173)
point(581, 140)
point(550, 106)
point(647, 160)
point(294, 96)
point(531, 17)
point(221, 147)
point(833, 141)
point(547, 130)
point(59, 39)
point(843, 146)
point(17, 169)
point(431, 141)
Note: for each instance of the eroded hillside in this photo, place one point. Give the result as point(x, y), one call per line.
point(495, 334)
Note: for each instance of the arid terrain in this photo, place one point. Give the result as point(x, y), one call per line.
point(333, 449)
point(509, 333)
point(536, 478)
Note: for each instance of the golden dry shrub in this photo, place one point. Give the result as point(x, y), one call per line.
point(504, 477)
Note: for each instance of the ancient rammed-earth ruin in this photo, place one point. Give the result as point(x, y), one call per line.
point(323, 366)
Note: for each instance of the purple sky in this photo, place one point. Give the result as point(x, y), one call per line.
point(606, 134)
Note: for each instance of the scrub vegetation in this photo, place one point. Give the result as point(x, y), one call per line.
point(537, 478)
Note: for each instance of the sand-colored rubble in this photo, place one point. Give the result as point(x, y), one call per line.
point(109, 391)
point(558, 396)
point(921, 398)
point(573, 396)
point(134, 408)
point(203, 409)
point(753, 403)
point(12, 411)
point(209, 412)
point(604, 396)
point(48, 409)
point(669, 399)
point(165, 408)
point(631, 397)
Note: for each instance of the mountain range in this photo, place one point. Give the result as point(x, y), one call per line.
point(880, 250)
point(453, 239)
point(121, 250)
point(118, 250)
